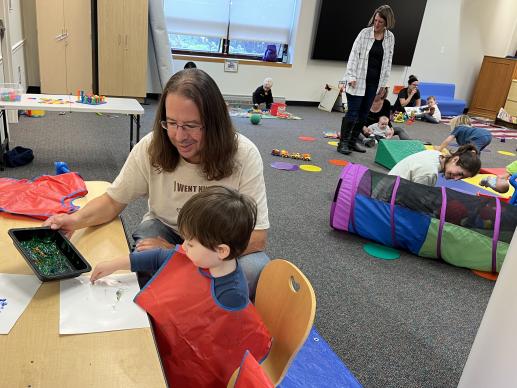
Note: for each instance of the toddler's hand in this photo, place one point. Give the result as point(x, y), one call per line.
point(101, 270)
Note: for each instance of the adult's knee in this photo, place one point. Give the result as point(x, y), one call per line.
point(252, 265)
point(155, 228)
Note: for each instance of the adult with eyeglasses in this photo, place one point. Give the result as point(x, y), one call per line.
point(193, 145)
point(408, 97)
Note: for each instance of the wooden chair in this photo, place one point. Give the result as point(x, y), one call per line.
point(286, 302)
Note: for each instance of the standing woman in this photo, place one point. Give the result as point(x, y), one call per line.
point(367, 73)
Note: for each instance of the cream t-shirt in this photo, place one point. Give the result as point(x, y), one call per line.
point(422, 167)
point(168, 191)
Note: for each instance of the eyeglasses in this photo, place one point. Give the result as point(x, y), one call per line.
point(189, 128)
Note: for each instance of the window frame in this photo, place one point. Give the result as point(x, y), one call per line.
point(224, 53)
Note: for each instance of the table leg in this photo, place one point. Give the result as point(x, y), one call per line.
point(136, 119)
point(4, 146)
point(131, 132)
point(137, 128)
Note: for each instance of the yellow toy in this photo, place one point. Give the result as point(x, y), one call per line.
point(399, 118)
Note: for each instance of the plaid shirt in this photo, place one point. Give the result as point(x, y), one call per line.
point(358, 61)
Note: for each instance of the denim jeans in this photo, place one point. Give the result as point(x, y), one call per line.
point(359, 106)
point(252, 264)
point(427, 117)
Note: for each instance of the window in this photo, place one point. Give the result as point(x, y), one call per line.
point(235, 28)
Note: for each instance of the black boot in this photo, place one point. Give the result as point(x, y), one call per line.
point(344, 137)
point(352, 143)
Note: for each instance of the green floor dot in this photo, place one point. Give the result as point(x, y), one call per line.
point(381, 251)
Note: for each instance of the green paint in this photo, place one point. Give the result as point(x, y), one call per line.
point(46, 256)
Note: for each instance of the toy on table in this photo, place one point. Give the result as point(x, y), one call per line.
point(294, 155)
point(10, 96)
point(48, 100)
point(10, 92)
point(89, 98)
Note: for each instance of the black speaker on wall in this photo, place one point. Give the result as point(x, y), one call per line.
point(340, 21)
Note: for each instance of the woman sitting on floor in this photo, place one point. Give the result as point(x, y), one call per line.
point(380, 107)
point(408, 97)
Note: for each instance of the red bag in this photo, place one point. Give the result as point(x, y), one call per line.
point(43, 197)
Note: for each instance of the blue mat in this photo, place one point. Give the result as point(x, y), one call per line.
point(316, 365)
point(461, 186)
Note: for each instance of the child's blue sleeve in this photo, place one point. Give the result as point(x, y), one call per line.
point(455, 131)
point(150, 260)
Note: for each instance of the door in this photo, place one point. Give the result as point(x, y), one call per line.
point(51, 46)
point(111, 43)
point(78, 44)
point(135, 48)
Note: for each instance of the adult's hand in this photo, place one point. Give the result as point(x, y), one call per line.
point(352, 84)
point(146, 244)
point(65, 222)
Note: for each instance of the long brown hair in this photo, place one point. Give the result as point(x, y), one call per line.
point(219, 144)
point(386, 13)
point(468, 158)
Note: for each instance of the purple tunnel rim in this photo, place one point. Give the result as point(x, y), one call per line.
point(392, 212)
point(495, 237)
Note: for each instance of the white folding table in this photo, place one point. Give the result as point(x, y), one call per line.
point(128, 106)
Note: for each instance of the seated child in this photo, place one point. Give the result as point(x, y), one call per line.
point(465, 133)
point(380, 130)
point(198, 300)
point(377, 131)
point(263, 94)
point(190, 65)
point(430, 112)
point(500, 183)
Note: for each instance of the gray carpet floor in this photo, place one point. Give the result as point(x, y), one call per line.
point(402, 323)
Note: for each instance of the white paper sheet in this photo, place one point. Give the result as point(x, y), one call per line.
point(106, 305)
point(16, 292)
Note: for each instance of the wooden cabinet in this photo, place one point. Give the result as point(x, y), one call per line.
point(64, 45)
point(511, 99)
point(122, 47)
point(492, 86)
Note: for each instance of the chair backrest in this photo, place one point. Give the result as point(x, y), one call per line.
point(286, 303)
point(439, 90)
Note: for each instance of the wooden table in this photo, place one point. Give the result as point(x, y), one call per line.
point(127, 106)
point(35, 355)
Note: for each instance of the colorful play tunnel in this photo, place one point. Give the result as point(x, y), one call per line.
point(435, 222)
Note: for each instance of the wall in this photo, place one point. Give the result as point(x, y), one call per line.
point(31, 42)
point(454, 37)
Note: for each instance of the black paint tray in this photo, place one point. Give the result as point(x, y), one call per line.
point(50, 255)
